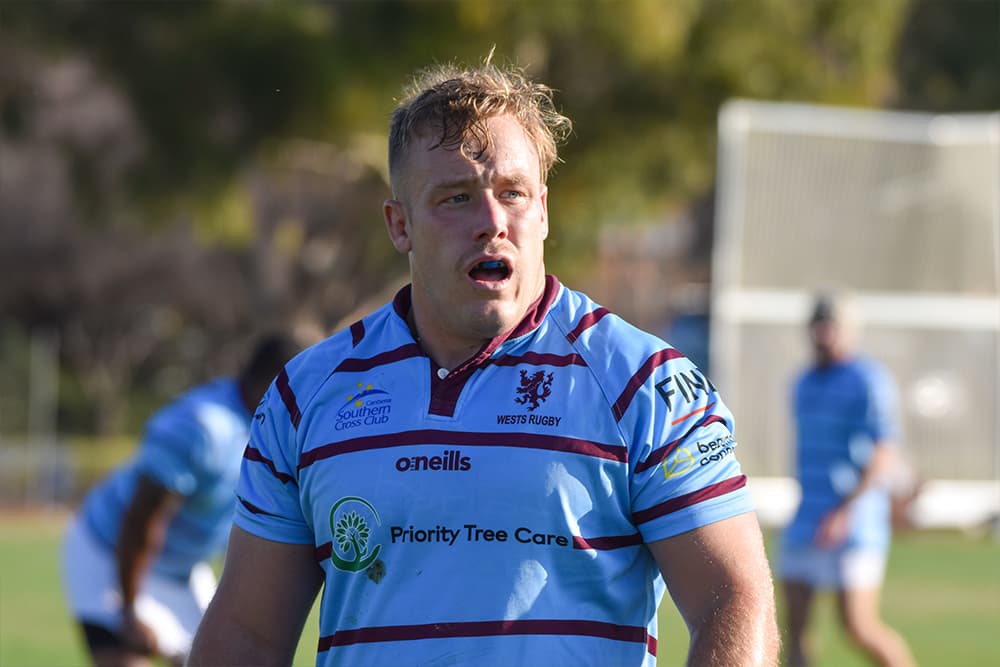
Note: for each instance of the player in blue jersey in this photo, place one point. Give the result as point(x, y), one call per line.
point(491, 470)
point(847, 434)
point(134, 558)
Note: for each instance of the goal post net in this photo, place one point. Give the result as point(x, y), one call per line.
point(901, 208)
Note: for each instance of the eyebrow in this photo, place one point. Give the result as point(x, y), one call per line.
point(454, 183)
point(518, 180)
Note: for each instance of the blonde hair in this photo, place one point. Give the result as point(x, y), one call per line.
point(454, 104)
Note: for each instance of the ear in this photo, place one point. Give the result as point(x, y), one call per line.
point(545, 212)
point(397, 226)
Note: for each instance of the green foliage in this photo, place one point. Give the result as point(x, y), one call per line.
point(949, 56)
point(212, 91)
point(210, 82)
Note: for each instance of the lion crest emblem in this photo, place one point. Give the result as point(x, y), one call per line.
point(534, 389)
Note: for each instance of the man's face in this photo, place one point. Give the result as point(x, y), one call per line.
point(828, 340)
point(474, 232)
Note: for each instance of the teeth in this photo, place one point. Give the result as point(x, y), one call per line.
point(491, 265)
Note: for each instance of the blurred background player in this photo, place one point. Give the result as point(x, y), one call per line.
point(134, 558)
point(847, 453)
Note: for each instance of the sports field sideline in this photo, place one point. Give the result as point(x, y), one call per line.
point(942, 592)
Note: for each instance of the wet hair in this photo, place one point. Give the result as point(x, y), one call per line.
point(453, 104)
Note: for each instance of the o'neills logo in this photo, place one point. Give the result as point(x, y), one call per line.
point(368, 407)
point(449, 459)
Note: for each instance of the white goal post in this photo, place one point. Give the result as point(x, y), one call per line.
point(903, 209)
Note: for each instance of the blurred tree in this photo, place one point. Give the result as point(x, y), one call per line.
point(258, 129)
point(949, 56)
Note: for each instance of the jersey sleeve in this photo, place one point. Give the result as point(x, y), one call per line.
point(268, 494)
point(168, 452)
point(882, 410)
point(686, 474)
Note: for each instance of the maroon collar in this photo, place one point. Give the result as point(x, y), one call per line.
point(532, 319)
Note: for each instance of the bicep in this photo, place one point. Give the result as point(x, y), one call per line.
point(264, 597)
point(722, 564)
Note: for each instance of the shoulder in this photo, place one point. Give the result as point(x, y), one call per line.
point(187, 411)
point(595, 330)
point(870, 372)
point(381, 332)
point(625, 359)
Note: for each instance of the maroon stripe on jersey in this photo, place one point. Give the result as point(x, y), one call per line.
point(288, 397)
point(539, 359)
point(607, 543)
point(253, 454)
point(656, 360)
point(253, 508)
point(651, 645)
point(587, 321)
point(658, 456)
point(395, 633)
point(324, 551)
point(357, 332)
point(688, 499)
point(465, 439)
point(355, 365)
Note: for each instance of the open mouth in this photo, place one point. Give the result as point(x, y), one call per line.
point(494, 270)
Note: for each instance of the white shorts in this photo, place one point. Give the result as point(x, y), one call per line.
point(170, 607)
point(837, 569)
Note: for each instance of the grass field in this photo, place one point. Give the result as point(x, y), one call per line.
point(942, 593)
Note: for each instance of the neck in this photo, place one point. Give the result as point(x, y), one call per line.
point(446, 353)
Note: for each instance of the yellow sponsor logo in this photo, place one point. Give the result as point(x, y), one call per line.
point(678, 464)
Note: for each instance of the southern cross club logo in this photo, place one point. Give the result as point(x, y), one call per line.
point(534, 389)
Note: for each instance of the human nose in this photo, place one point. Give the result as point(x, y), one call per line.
point(491, 222)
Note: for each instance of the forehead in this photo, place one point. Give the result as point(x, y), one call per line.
point(511, 154)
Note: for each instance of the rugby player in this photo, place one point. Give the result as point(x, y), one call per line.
point(847, 437)
point(492, 469)
point(134, 559)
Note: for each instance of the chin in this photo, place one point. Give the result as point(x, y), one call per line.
point(495, 319)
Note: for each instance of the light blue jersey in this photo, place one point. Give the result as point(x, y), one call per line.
point(841, 412)
point(497, 515)
point(193, 447)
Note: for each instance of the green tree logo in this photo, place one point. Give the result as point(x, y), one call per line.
point(350, 536)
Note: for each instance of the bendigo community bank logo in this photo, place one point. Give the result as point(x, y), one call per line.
point(369, 406)
point(351, 531)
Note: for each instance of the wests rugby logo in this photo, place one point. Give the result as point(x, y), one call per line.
point(534, 389)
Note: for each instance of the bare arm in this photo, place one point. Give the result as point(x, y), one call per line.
point(834, 526)
point(264, 597)
point(720, 580)
point(140, 540)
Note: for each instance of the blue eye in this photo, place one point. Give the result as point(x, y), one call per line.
point(457, 199)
